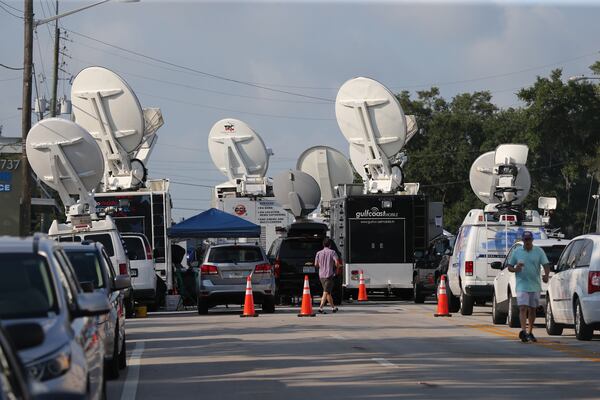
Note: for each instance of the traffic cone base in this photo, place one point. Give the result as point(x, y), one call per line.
point(442, 300)
point(249, 300)
point(306, 309)
point(362, 288)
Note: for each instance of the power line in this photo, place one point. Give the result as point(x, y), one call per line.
point(9, 6)
point(11, 68)
point(203, 73)
point(8, 11)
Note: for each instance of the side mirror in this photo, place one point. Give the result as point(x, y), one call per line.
point(26, 335)
point(88, 287)
point(496, 265)
point(91, 305)
point(121, 282)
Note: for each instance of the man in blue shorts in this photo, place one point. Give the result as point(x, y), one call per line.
point(525, 262)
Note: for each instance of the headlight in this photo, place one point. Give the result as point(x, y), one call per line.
point(52, 366)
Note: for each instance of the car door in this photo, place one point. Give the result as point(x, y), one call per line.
point(576, 279)
point(560, 282)
point(115, 297)
point(505, 278)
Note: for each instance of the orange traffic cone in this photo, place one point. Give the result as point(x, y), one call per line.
point(362, 288)
point(249, 301)
point(306, 310)
point(442, 300)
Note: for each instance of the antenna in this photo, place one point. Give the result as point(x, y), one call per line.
point(297, 192)
point(240, 154)
point(374, 123)
point(501, 176)
point(105, 105)
point(328, 167)
point(67, 158)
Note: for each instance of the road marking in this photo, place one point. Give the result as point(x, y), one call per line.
point(133, 373)
point(337, 336)
point(384, 362)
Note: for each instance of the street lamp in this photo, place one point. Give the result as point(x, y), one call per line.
point(29, 25)
point(596, 197)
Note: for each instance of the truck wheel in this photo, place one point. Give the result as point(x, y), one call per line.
point(268, 305)
point(498, 317)
point(466, 303)
point(418, 295)
point(453, 301)
point(202, 306)
point(552, 328)
point(514, 321)
point(582, 330)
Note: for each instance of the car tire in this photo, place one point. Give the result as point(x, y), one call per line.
point(514, 321)
point(498, 317)
point(418, 295)
point(152, 307)
point(268, 305)
point(453, 301)
point(123, 354)
point(202, 306)
point(582, 330)
point(466, 303)
point(552, 328)
point(111, 367)
point(130, 306)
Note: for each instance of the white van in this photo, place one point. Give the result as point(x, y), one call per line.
point(143, 274)
point(484, 237)
point(103, 231)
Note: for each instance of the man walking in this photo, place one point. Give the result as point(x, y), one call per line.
point(326, 261)
point(525, 262)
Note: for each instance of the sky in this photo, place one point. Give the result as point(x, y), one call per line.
point(278, 65)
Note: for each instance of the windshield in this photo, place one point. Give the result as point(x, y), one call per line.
point(87, 267)
point(26, 288)
point(135, 248)
point(553, 253)
point(235, 254)
point(300, 248)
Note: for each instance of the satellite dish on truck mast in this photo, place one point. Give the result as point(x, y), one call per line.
point(374, 123)
point(297, 192)
point(328, 167)
point(67, 158)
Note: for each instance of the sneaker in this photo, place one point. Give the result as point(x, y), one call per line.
point(321, 311)
point(531, 338)
point(523, 336)
point(334, 310)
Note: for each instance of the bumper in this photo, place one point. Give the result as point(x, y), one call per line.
point(480, 291)
point(590, 305)
point(234, 294)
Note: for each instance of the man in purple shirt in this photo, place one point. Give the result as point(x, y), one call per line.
point(327, 260)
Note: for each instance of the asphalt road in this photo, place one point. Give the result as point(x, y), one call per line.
point(375, 350)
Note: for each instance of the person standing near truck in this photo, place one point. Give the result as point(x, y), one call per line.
point(326, 261)
point(525, 262)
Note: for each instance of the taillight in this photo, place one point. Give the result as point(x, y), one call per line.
point(123, 269)
point(148, 252)
point(209, 270)
point(263, 269)
point(593, 282)
point(277, 267)
point(469, 268)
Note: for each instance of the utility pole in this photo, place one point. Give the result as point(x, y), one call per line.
point(55, 70)
point(25, 220)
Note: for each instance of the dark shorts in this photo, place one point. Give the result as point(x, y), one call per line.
point(327, 284)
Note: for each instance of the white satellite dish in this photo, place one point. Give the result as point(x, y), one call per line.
point(328, 167)
point(484, 179)
point(237, 150)
point(511, 154)
point(373, 122)
point(67, 158)
point(297, 192)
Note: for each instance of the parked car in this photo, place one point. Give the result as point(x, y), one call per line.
point(426, 274)
point(223, 274)
point(39, 286)
point(143, 275)
point(106, 233)
point(95, 271)
point(504, 302)
point(573, 296)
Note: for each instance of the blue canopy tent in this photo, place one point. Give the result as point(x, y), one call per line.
point(214, 223)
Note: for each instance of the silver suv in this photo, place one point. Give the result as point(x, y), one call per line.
point(95, 272)
point(223, 274)
point(38, 285)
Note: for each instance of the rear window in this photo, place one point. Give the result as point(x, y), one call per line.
point(235, 254)
point(26, 287)
point(87, 267)
point(135, 248)
point(69, 239)
point(553, 252)
point(300, 248)
point(105, 239)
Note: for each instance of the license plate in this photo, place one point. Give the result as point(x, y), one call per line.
point(134, 272)
point(308, 270)
point(237, 275)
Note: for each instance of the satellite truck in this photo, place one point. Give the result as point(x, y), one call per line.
point(380, 225)
point(241, 155)
point(501, 180)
